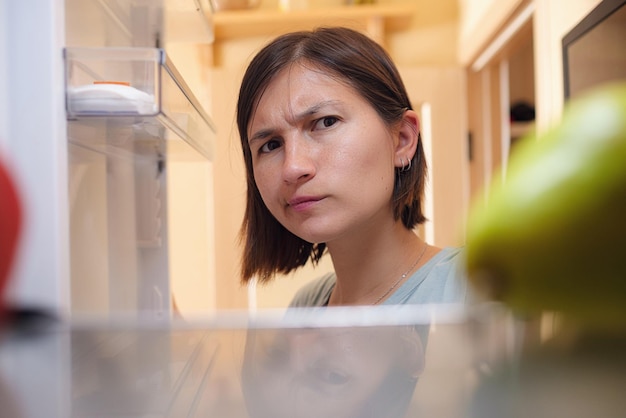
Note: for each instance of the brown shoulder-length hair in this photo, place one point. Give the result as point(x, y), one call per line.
point(353, 58)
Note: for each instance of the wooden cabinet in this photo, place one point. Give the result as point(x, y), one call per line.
point(501, 80)
point(375, 20)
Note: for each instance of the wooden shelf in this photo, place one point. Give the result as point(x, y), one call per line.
point(375, 19)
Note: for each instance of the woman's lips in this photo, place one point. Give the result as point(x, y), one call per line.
point(302, 203)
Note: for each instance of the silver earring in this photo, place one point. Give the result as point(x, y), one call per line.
point(405, 167)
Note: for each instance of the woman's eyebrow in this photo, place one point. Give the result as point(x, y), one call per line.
point(263, 133)
point(314, 109)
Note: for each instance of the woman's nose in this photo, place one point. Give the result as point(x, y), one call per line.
point(298, 164)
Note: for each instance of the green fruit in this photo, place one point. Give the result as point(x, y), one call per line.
point(552, 236)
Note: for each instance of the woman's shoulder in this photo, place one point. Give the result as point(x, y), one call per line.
point(447, 254)
point(448, 261)
point(440, 280)
point(314, 293)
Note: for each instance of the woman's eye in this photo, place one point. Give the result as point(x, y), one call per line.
point(325, 122)
point(334, 378)
point(269, 146)
point(276, 354)
point(329, 376)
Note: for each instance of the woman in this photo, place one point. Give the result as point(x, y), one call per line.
point(335, 162)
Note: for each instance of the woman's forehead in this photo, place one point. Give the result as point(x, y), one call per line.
point(308, 72)
point(301, 87)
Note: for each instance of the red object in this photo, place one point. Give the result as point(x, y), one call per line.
point(10, 224)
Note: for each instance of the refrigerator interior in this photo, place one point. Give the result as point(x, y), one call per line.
point(131, 117)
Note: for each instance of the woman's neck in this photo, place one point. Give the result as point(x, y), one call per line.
point(368, 267)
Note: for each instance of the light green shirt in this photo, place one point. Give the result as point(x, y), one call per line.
point(440, 280)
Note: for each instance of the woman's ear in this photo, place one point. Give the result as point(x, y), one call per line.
point(408, 137)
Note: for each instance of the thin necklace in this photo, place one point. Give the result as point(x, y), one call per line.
point(406, 273)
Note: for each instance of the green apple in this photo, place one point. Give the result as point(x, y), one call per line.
point(552, 235)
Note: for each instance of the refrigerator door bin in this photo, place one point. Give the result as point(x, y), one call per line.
point(138, 88)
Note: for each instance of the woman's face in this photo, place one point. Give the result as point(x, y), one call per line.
point(329, 372)
point(323, 159)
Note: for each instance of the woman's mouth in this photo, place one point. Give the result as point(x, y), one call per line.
point(303, 203)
